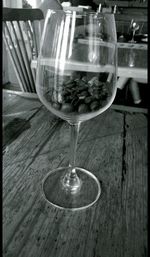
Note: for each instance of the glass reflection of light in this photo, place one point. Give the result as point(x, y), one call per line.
point(72, 33)
point(63, 49)
point(59, 44)
point(33, 3)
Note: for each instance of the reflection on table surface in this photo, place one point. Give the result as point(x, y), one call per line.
point(113, 146)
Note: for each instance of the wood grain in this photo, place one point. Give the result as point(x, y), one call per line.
point(113, 146)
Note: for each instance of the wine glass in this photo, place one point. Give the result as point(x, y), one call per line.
point(133, 27)
point(76, 81)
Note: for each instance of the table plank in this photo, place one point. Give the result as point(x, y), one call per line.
point(17, 112)
point(32, 223)
point(16, 104)
point(134, 186)
point(113, 146)
point(49, 141)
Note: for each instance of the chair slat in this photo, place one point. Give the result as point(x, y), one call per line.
point(31, 35)
point(23, 42)
point(26, 58)
point(30, 47)
point(17, 61)
point(28, 38)
point(16, 68)
point(34, 39)
point(21, 58)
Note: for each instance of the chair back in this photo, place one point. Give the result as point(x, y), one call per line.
point(21, 37)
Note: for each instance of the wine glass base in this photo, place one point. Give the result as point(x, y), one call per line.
point(60, 196)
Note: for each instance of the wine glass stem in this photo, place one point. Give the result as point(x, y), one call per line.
point(132, 40)
point(71, 181)
point(74, 132)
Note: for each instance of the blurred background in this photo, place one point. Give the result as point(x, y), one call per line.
point(129, 15)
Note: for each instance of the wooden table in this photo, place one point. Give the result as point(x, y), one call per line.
point(113, 146)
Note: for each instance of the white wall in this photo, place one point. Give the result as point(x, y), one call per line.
point(12, 3)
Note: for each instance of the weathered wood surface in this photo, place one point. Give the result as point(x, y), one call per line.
point(113, 146)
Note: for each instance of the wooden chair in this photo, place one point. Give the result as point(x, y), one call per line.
point(21, 37)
